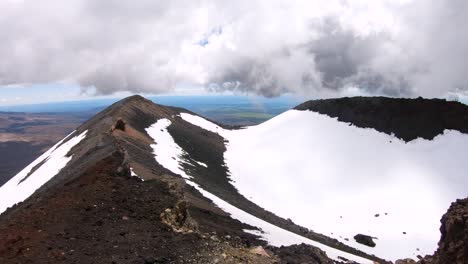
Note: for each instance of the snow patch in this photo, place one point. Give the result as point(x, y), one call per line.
point(23, 185)
point(201, 122)
point(165, 146)
point(201, 163)
point(166, 151)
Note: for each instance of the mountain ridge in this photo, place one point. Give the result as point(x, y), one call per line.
point(406, 118)
point(104, 155)
point(117, 135)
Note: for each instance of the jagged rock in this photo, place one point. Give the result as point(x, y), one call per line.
point(120, 125)
point(179, 218)
point(365, 240)
point(453, 244)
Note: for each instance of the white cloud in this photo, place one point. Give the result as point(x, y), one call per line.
point(321, 48)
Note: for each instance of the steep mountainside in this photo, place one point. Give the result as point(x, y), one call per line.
point(144, 183)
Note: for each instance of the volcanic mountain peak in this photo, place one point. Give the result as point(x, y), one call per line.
point(211, 193)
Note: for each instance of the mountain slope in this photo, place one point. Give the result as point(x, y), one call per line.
point(93, 211)
point(326, 175)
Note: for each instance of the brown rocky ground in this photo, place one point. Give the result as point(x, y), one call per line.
point(107, 217)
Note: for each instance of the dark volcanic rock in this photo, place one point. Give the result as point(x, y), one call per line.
point(120, 124)
point(301, 254)
point(407, 119)
point(453, 244)
point(365, 240)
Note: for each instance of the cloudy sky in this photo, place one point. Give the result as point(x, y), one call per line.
point(59, 49)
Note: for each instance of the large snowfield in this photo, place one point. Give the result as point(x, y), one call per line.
point(341, 180)
point(24, 184)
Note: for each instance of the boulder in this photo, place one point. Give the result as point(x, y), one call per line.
point(365, 240)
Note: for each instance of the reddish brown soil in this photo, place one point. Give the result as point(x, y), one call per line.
point(98, 218)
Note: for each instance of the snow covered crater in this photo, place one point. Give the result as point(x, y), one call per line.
point(36, 174)
point(341, 180)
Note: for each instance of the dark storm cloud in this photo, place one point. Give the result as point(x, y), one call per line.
point(247, 76)
point(345, 59)
point(338, 59)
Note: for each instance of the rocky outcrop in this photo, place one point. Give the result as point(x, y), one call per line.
point(120, 125)
point(453, 244)
point(178, 218)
